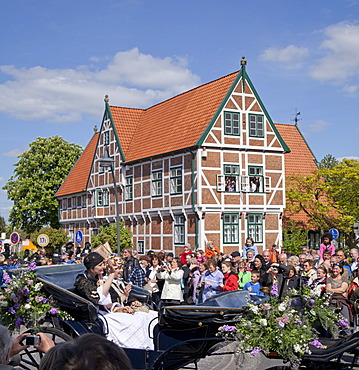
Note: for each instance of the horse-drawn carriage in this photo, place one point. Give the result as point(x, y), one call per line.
point(182, 336)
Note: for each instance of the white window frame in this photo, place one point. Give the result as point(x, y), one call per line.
point(231, 228)
point(129, 188)
point(179, 229)
point(231, 176)
point(255, 227)
point(176, 181)
point(232, 123)
point(156, 183)
point(254, 129)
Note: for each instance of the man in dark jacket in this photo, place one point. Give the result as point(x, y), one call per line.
point(129, 264)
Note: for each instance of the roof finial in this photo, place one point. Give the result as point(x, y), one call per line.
point(243, 61)
point(95, 128)
point(106, 99)
point(296, 119)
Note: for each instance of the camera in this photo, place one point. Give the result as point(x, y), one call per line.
point(32, 340)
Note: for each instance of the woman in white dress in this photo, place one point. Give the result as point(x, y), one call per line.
point(127, 328)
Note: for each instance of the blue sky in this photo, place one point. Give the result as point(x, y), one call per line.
point(59, 59)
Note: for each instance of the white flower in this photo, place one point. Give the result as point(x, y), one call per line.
point(38, 287)
point(282, 307)
point(254, 309)
point(263, 322)
point(27, 306)
point(3, 304)
point(297, 348)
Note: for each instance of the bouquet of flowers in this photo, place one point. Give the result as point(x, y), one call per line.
point(22, 303)
point(281, 327)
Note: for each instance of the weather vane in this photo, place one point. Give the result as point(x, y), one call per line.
point(296, 119)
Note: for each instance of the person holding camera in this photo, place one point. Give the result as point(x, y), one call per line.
point(9, 347)
point(172, 289)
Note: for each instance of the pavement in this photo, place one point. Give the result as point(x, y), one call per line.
point(236, 361)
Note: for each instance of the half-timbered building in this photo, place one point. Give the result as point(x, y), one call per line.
point(205, 165)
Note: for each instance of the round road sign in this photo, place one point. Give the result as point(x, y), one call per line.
point(43, 240)
point(335, 233)
point(14, 238)
point(79, 236)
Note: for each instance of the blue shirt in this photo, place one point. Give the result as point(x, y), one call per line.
point(214, 278)
point(253, 288)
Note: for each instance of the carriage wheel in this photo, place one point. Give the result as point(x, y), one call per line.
point(31, 357)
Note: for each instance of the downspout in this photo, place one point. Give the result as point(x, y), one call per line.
point(193, 199)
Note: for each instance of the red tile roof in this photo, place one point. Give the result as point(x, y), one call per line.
point(300, 160)
point(174, 124)
point(76, 181)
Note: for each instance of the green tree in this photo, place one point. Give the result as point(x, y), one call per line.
point(37, 176)
point(57, 237)
point(294, 237)
point(109, 234)
point(343, 186)
point(328, 162)
point(311, 194)
point(2, 225)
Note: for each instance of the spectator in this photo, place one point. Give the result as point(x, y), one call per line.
point(319, 284)
point(249, 245)
point(274, 254)
point(235, 257)
point(139, 274)
point(354, 259)
point(169, 257)
point(11, 347)
point(338, 284)
point(130, 263)
point(266, 256)
point(211, 250)
point(153, 284)
point(290, 280)
point(244, 275)
point(193, 280)
point(230, 281)
point(326, 259)
point(89, 351)
point(294, 261)
point(254, 288)
point(260, 267)
point(211, 280)
point(250, 259)
point(283, 259)
point(343, 260)
point(200, 256)
point(309, 272)
point(327, 244)
point(185, 253)
point(172, 289)
point(203, 267)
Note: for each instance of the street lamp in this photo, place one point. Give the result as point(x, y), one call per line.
point(108, 162)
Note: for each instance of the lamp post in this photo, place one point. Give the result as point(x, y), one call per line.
point(108, 162)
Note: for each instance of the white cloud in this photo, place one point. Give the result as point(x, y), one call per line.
point(318, 126)
point(15, 152)
point(342, 53)
point(290, 56)
point(350, 89)
point(63, 95)
point(2, 179)
point(348, 157)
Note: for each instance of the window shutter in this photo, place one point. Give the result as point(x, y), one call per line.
point(267, 184)
point(220, 183)
point(245, 184)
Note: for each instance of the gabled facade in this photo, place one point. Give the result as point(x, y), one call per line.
point(208, 164)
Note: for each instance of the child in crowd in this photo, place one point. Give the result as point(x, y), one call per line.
point(327, 245)
point(253, 287)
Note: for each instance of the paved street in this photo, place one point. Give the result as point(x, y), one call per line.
point(234, 362)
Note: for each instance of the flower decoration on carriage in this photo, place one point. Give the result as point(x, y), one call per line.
point(22, 301)
point(287, 328)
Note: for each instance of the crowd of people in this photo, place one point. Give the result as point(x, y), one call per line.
point(194, 276)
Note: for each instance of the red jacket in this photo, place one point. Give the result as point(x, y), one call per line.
point(184, 255)
point(230, 282)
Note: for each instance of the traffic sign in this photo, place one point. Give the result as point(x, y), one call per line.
point(43, 240)
point(335, 233)
point(79, 236)
point(14, 238)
